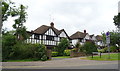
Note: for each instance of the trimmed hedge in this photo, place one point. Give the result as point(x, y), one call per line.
point(67, 52)
point(54, 54)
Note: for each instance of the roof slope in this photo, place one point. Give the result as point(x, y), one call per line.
point(42, 29)
point(99, 38)
point(78, 35)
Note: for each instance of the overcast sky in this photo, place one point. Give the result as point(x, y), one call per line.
point(94, 16)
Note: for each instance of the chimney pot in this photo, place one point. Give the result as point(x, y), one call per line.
point(52, 24)
point(84, 31)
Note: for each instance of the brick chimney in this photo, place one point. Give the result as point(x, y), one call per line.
point(52, 24)
point(84, 31)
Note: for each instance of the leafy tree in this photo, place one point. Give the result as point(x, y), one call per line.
point(20, 28)
point(117, 20)
point(8, 41)
point(104, 38)
point(77, 46)
point(64, 43)
point(114, 38)
point(89, 47)
point(8, 9)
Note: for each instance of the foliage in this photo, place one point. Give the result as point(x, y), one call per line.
point(77, 45)
point(54, 54)
point(20, 29)
point(113, 48)
point(8, 9)
point(8, 41)
point(67, 52)
point(44, 58)
point(104, 38)
point(64, 43)
point(89, 47)
point(102, 50)
point(114, 38)
point(13, 49)
point(117, 20)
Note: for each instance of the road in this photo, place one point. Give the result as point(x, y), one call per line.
point(70, 63)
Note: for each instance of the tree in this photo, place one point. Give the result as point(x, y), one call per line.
point(64, 43)
point(114, 38)
point(8, 9)
point(77, 45)
point(104, 38)
point(89, 47)
point(117, 20)
point(20, 28)
point(8, 41)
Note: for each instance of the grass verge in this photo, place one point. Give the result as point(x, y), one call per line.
point(113, 56)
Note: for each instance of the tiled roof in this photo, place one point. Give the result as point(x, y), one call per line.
point(42, 29)
point(78, 35)
point(99, 37)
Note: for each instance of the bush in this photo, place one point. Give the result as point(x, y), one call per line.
point(105, 49)
point(113, 48)
point(8, 41)
point(28, 51)
point(89, 47)
point(67, 52)
point(64, 43)
point(54, 54)
point(44, 58)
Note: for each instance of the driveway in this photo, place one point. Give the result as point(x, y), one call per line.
point(71, 63)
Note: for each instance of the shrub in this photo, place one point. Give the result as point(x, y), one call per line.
point(89, 47)
point(28, 51)
point(105, 49)
point(8, 41)
point(54, 54)
point(44, 58)
point(67, 52)
point(64, 43)
point(113, 48)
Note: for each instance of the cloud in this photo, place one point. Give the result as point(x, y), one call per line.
point(72, 15)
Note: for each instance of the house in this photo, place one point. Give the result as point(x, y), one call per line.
point(93, 38)
point(47, 35)
point(99, 40)
point(80, 37)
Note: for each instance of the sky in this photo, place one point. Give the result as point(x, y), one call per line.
point(94, 16)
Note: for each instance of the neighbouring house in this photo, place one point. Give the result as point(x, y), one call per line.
point(47, 35)
point(93, 38)
point(80, 37)
point(99, 40)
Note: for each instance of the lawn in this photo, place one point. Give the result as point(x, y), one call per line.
point(62, 57)
point(113, 56)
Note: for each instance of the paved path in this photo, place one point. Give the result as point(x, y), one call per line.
point(71, 63)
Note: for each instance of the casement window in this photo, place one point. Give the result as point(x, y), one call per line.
point(48, 37)
point(36, 36)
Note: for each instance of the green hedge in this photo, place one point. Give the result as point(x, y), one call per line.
point(67, 52)
point(54, 54)
point(113, 48)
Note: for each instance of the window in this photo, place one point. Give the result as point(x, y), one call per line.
point(48, 37)
point(36, 36)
